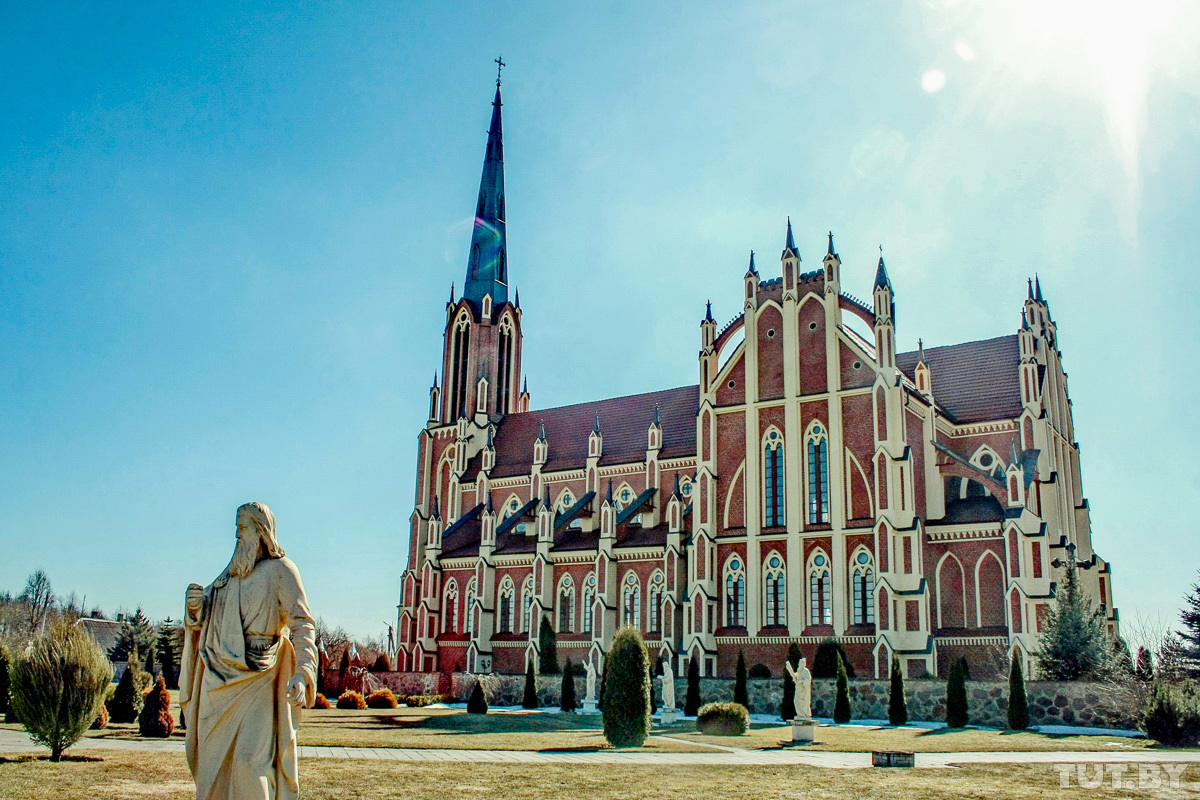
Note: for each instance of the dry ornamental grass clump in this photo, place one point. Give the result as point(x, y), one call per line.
point(351, 701)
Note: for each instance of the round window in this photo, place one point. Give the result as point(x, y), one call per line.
point(770, 333)
point(863, 558)
point(858, 365)
point(985, 460)
point(731, 384)
point(812, 326)
point(774, 562)
point(735, 565)
point(687, 490)
point(819, 561)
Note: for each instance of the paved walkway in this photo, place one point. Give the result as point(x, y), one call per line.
point(18, 741)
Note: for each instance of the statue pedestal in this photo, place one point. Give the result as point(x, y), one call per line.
point(589, 707)
point(803, 730)
point(669, 716)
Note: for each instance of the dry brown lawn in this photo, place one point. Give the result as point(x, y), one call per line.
point(154, 775)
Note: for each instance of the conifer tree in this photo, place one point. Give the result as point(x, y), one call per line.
point(567, 694)
point(956, 696)
point(1018, 703)
point(137, 635)
point(627, 701)
point(170, 639)
point(530, 699)
point(547, 649)
point(127, 700)
point(740, 693)
point(4, 662)
point(691, 703)
point(841, 705)
point(897, 706)
point(477, 703)
point(1144, 671)
point(1074, 641)
point(1190, 636)
point(155, 719)
point(788, 709)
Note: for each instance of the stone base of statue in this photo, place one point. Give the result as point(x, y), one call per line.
point(589, 707)
point(669, 716)
point(804, 730)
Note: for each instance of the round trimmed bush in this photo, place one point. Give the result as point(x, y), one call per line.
point(627, 693)
point(382, 698)
point(351, 701)
point(321, 701)
point(723, 719)
point(155, 720)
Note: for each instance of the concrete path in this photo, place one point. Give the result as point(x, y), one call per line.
point(18, 742)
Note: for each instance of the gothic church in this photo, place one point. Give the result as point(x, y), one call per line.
point(815, 484)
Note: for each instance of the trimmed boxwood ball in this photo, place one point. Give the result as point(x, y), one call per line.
point(381, 698)
point(477, 703)
point(352, 701)
point(156, 721)
point(627, 695)
point(723, 719)
point(321, 702)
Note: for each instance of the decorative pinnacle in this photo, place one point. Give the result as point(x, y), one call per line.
point(541, 431)
point(518, 298)
point(452, 293)
point(830, 252)
point(676, 492)
point(789, 246)
point(436, 514)
point(752, 270)
point(1030, 282)
point(525, 385)
point(596, 425)
point(499, 66)
point(608, 495)
point(1037, 288)
point(708, 317)
point(656, 421)
point(547, 500)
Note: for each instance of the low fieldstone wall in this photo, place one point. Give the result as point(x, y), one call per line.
point(1088, 704)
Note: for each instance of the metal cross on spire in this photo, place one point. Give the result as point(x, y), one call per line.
point(499, 66)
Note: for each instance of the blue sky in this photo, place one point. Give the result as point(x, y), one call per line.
point(229, 231)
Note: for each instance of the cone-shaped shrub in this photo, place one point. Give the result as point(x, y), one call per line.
point(956, 696)
point(897, 707)
point(381, 664)
point(788, 710)
point(351, 701)
point(566, 695)
point(382, 698)
point(547, 648)
point(600, 691)
point(740, 695)
point(4, 660)
point(529, 699)
point(477, 703)
point(156, 720)
point(1144, 671)
point(1172, 716)
point(57, 686)
point(1018, 703)
point(841, 705)
point(127, 700)
point(691, 703)
point(101, 720)
point(627, 696)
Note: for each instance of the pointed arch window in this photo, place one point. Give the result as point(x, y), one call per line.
point(507, 607)
point(773, 480)
point(450, 623)
point(818, 476)
point(469, 606)
point(589, 598)
point(631, 606)
point(566, 605)
point(775, 591)
point(527, 605)
point(735, 593)
point(460, 345)
point(863, 583)
point(504, 375)
point(820, 596)
point(657, 584)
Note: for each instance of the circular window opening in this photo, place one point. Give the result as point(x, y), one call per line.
point(985, 460)
point(770, 333)
point(731, 384)
point(812, 326)
point(858, 365)
point(863, 558)
point(819, 561)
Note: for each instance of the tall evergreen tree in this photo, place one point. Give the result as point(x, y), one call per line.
point(788, 709)
point(547, 649)
point(1074, 641)
point(897, 705)
point(530, 699)
point(1190, 635)
point(137, 635)
point(1018, 703)
point(566, 695)
point(1144, 671)
point(691, 703)
point(627, 706)
point(170, 640)
point(5, 660)
point(841, 703)
point(956, 696)
point(740, 692)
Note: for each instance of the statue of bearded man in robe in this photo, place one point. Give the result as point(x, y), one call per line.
point(249, 665)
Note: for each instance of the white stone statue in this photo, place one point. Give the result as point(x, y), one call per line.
point(591, 680)
point(668, 685)
point(249, 665)
point(802, 698)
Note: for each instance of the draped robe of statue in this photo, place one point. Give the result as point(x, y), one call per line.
point(241, 728)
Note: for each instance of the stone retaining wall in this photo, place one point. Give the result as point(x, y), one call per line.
point(1089, 704)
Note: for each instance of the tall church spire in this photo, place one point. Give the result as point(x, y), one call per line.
point(487, 263)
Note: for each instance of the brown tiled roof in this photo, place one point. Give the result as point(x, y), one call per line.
point(623, 422)
point(973, 381)
point(105, 632)
point(461, 539)
point(971, 509)
point(637, 536)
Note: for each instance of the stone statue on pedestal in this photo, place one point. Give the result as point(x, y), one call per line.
point(249, 665)
point(591, 680)
point(668, 685)
point(803, 694)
